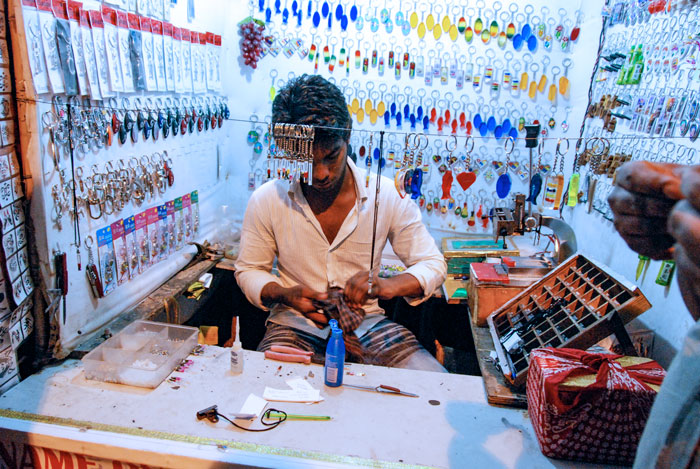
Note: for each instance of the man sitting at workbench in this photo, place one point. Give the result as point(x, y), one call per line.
point(321, 233)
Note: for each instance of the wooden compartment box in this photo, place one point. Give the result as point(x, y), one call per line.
point(575, 306)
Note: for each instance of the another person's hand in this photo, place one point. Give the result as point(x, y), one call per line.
point(299, 297)
point(684, 226)
point(641, 202)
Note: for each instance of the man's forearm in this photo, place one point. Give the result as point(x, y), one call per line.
point(273, 292)
point(400, 285)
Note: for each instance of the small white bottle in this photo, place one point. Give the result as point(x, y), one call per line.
point(237, 354)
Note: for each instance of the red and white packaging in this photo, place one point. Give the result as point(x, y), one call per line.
point(590, 407)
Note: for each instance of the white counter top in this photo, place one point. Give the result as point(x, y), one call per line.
point(59, 407)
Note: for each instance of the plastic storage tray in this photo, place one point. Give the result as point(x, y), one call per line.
point(574, 306)
point(143, 354)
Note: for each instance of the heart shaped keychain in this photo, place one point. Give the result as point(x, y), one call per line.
point(468, 177)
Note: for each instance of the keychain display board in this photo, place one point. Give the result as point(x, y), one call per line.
point(151, 158)
point(644, 105)
point(462, 77)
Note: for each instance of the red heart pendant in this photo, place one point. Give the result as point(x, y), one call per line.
point(466, 180)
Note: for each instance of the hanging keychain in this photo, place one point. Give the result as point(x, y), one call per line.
point(575, 180)
point(91, 271)
point(504, 183)
point(564, 80)
point(536, 182)
point(665, 275)
point(532, 91)
point(560, 175)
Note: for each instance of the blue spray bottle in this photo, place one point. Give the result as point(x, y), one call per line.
point(335, 358)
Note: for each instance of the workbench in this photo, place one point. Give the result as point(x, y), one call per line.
point(449, 425)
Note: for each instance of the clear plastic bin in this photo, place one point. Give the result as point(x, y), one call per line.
point(143, 354)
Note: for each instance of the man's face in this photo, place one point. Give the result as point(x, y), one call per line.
point(329, 167)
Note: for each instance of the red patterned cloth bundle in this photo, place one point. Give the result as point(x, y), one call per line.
point(590, 407)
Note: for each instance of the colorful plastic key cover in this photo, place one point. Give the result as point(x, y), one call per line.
point(461, 25)
point(353, 12)
point(491, 124)
point(517, 41)
point(513, 133)
point(405, 28)
point(469, 34)
point(498, 132)
point(407, 181)
point(339, 12)
point(477, 120)
point(506, 125)
point(416, 183)
point(503, 185)
point(387, 117)
point(483, 129)
point(426, 122)
point(325, 9)
point(344, 22)
point(526, 32)
point(532, 43)
point(316, 20)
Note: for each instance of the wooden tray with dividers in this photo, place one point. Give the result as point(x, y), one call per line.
point(574, 306)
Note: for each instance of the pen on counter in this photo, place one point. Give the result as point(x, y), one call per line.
point(276, 415)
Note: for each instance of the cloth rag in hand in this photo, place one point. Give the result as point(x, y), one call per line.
point(348, 319)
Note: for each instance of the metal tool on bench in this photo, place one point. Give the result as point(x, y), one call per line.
point(383, 388)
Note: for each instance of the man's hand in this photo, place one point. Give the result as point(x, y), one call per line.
point(684, 226)
point(356, 291)
point(641, 202)
point(299, 297)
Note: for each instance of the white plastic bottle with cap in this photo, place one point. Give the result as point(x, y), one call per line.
point(237, 353)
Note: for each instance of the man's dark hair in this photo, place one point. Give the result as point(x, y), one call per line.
point(313, 100)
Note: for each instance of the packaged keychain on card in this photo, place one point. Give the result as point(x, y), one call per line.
point(105, 256)
point(194, 199)
point(120, 251)
point(65, 51)
point(179, 224)
point(216, 62)
point(177, 60)
point(124, 55)
point(89, 56)
point(153, 235)
point(170, 206)
point(147, 51)
point(138, 71)
point(109, 18)
point(47, 23)
point(163, 235)
point(98, 40)
point(132, 247)
point(168, 56)
point(35, 49)
point(74, 9)
point(186, 60)
point(143, 242)
point(187, 216)
point(158, 54)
